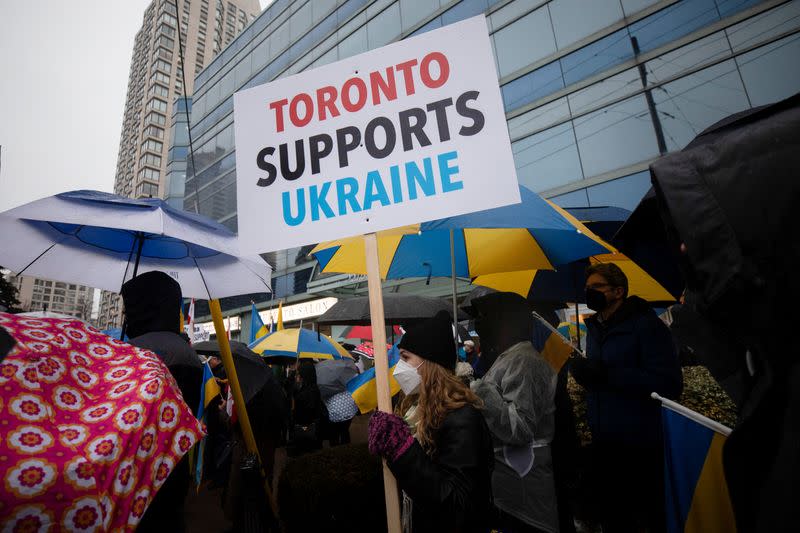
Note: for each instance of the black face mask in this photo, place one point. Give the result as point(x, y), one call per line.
point(596, 300)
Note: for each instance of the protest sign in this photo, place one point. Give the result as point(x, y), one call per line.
point(406, 133)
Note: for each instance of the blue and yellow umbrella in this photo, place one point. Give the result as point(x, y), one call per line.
point(299, 343)
point(534, 234)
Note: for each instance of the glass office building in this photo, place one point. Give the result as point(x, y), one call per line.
point(594, 90)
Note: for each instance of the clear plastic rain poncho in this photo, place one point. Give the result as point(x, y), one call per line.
point(518, 393)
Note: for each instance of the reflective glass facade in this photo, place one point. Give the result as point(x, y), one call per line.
point(575, 78)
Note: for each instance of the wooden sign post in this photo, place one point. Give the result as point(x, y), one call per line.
point(381, 370)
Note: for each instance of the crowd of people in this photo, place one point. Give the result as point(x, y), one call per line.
point(482, 436)
point(478, 437)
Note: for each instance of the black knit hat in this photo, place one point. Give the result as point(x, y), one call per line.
point(432, 339)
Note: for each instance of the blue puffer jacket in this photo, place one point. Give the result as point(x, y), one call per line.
point(640, 356)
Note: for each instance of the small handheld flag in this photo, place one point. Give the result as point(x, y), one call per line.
point(208, 391)
point(548, 341)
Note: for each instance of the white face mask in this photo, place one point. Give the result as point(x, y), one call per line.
point(407, 376)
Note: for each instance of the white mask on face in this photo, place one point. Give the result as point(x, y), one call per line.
point(407, 376)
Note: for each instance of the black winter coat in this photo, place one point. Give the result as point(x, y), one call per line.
point(639, 355)
point(451, 490)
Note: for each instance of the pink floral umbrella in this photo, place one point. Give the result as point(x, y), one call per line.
point(367, 349)
point(91, 428)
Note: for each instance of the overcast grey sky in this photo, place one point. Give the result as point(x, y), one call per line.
point(63, 78)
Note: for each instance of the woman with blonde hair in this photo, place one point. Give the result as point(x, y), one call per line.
point(438, 447)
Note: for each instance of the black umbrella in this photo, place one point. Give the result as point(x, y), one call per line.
point(253, 372)
point(333, 375)
point(643, 238)
point(402, 309)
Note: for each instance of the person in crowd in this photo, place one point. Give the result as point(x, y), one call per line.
point(480, 362)
point(469, 351)
point(309, 414)
point(630, 354)
point(727, 201)
point(438, 445)
point(518, 393)
point(152, 303)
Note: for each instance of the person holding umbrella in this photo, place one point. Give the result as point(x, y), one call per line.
point(152, 312)
point(438, 447)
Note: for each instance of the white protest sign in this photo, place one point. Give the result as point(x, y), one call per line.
point(406, 133)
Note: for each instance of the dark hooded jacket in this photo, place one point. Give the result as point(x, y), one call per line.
point(639, 356)
point(730, 196)
point(152, 312)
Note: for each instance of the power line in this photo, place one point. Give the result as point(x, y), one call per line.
point(186, 105)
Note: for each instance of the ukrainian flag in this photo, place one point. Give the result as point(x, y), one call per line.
point(208, 390)
point(553, 347)
point(363, 387)
point(697, 497)
point(257, 327)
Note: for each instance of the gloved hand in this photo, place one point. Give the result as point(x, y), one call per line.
point(389, 436)
point(589, 372)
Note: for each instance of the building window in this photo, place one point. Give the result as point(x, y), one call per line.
point(156, 118)
point(166, 42)
point(157, 105)
point(149, 174)
point(144, 190)
point(164, 54)
point(159, 90)
point(154, 131)
point(153, 146)
point(166, 18)
point(169, 31)
point(150, 159)
point(162, 65)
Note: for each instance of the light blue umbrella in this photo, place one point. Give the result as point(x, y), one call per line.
point(102, 240)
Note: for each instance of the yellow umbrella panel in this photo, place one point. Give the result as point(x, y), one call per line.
point(566, 284)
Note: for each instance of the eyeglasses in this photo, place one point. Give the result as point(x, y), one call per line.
point(597, 286)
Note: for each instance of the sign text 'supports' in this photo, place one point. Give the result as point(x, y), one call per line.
point(406, 133)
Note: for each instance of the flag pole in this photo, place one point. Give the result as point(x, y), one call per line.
point(693, 415)
point(381, 359)
point(238, 397)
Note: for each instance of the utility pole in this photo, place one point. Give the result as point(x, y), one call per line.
point(651, 106)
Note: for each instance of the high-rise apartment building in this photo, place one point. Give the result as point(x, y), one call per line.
point(45, 295)
point(196, 29)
